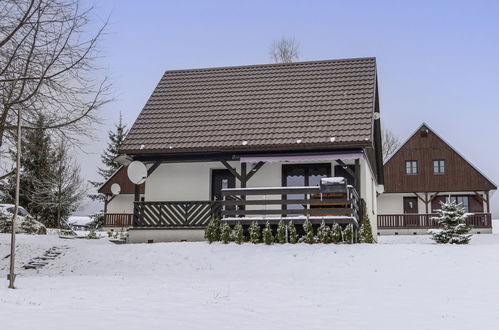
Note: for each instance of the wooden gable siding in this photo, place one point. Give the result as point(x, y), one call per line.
point(459, 176)
point(121, 178)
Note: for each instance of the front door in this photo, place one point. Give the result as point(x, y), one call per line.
point(221, 179)
point(410, 211)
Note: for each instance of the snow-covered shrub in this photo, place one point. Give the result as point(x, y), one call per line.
point(225, 233)
point(30, 225)
point(293, 234)
point(324, 233)
point(97, 220)
point(309, 232)
point(268, 238)
point(281, 232)
point(254, 233)
point(212, 231)
point(452, 217)
point(92, 234)
point(366, 232)
point(5, 223)
point(238, 233)
point(110, 234)
point(336, 233)
point(348, 234)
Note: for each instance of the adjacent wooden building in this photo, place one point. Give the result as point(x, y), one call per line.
point(423, 172)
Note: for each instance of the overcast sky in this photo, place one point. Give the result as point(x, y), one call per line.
point(438, 61)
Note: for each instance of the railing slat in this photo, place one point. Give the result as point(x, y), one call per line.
point(425, 221)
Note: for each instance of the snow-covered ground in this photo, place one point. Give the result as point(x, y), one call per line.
point(405, 282)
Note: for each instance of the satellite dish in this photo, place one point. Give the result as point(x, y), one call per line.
point(137, 172)
point(115, 189)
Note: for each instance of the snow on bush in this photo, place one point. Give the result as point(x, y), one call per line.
point(293, 234)
point(238, 233)
point(212, 231)
point(254, 233)
point(309, 232)
point(324, 233)
point(452, 217)
point(281, 232)
point(348, 234)
point(336, 233)
point(366, 232)
point(225, 233)
point(268, 238)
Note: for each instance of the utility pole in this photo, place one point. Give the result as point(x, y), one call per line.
point(12, 275)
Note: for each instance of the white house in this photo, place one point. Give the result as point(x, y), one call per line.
point(278, 126)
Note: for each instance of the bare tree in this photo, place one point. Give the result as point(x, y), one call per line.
point(47, 65)
point(391, 143)
point(284, 50)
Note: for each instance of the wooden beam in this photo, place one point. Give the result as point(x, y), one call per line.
point(244, 177)
point(488, 201)
point(357, 175)
point(480, 197)
point(136, 199)
point(421, 198)
point(345, 167)
point(153, 168)
point(254, 170)
point(231, 170)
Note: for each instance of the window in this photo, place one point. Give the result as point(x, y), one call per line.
point(463, 200)
point(439, 166)
point(411, 167)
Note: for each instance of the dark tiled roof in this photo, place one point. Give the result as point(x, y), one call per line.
point(258, 107)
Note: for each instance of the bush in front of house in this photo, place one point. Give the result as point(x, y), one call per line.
point(268, 238)
point(212, 231)
point(309, 232)
point(254, 233)
point(293, 234)
point(366, 232)
point(225, 233)
point(336, 233)
point(281, 232)
point(452, 218)
point(238, 233)
point(324, 233)
point(348, 234)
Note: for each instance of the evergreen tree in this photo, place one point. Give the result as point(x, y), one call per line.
point(324, 233)
point(293, 234)
point(225, 233)
point(366, 232)
point(212, 231)
point(238, 233)
point(309, 232)
point(36, 165)
point(268, 238)
point(116, 137)
point(348, 234)
point(254, 232)
point(452, 218)
point(336, 233)
point(281, 232)
point(62, 189)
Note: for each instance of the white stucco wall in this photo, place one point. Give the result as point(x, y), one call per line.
point(122, 203)
point(368, 187)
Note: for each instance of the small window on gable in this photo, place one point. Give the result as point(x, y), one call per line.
point(411, 167)
point(439, 166)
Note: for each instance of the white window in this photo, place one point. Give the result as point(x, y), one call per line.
point(411, 167)
point(439, 166)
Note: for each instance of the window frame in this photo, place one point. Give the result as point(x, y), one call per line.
point(412, 161)
point(439, 166)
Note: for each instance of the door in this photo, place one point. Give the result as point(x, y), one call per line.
point(221, 179)
point(301, 175)
point(410, 211)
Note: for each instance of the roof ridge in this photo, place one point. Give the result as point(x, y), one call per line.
point(272, 64)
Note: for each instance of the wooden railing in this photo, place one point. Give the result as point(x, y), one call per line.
point(271, 204)
point(118, 220)
point(408, 220)
point(176, 214)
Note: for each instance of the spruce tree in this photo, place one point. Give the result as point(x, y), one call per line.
point(238, 233)
point(212, 231)
point(115, 140)
point(309, 232)
point(366, 232)
point(348, 234)
point(293, 234)
point(254, 232)
point(268, 238)
point(281, 232)
point(36, 165)
point(225, 233)
point(336, 233)
point(324, 233)
point(452, 218)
